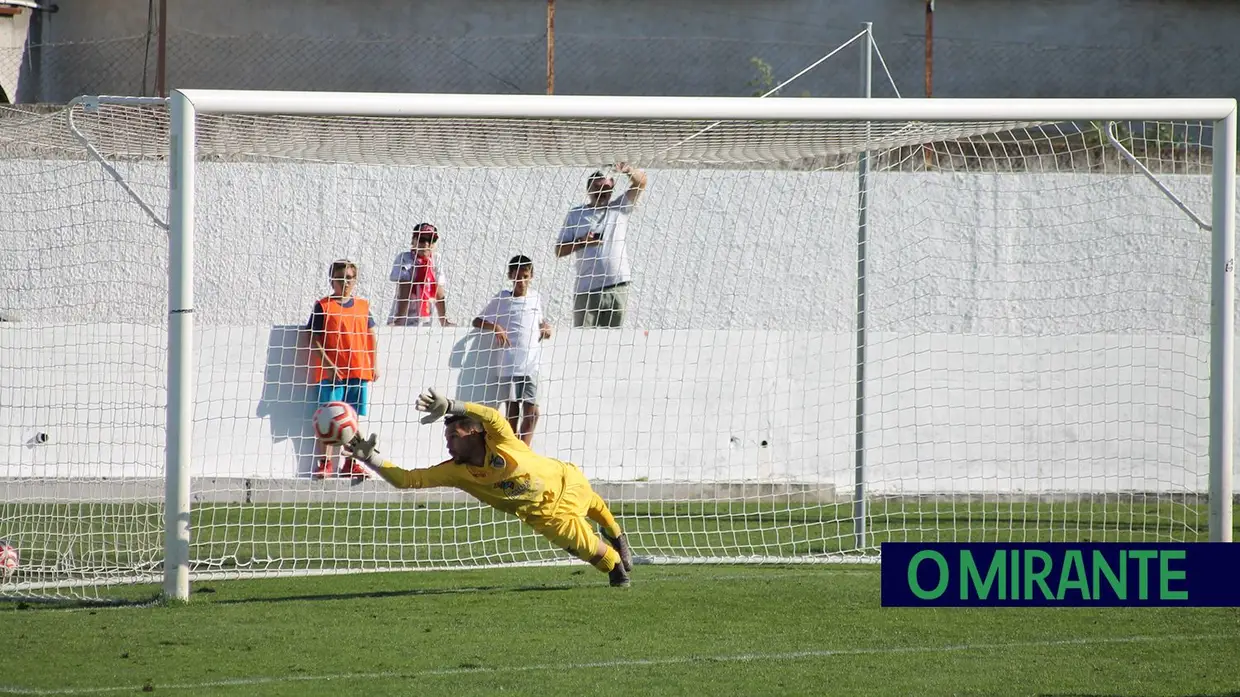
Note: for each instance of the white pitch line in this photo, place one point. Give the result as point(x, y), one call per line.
point(622, 663)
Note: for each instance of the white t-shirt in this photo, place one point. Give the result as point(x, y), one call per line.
point(606, 264)
point(520, 318)
point(405, 264)
point(403, 269)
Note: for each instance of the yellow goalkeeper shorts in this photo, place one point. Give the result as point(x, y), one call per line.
point(567, 526)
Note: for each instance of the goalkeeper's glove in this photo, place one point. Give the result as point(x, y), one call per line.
point(436, 405)
point(365, 450)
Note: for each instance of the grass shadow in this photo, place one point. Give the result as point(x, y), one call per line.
point(411, 592)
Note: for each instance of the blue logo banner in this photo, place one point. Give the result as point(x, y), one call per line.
point(1060, 574)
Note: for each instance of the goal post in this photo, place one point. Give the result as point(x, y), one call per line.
point(1047, 349)
point(181, 181)
point(1222, 325)
point(187, 104)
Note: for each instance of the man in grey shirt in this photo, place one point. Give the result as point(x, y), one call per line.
point(595, 232)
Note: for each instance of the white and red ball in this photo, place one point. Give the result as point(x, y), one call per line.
point(335, 423)
point(9, 558)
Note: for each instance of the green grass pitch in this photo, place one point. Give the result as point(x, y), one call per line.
point(560, 630)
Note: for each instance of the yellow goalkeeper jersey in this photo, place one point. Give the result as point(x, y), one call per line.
point(513, 478)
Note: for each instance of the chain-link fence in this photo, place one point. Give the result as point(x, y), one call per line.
point(496, 64)
point(609, 64)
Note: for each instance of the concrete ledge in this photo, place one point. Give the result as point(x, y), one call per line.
point(344, 492)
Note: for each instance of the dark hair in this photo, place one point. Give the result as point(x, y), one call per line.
point(519, 262)
point(426, 230)
point(597, 175)
point(466, 419)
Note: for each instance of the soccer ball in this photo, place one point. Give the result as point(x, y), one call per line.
point(335, 423)
point(8, 558)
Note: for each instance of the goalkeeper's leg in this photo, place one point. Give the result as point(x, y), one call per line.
point(575, 535)
point(601, 514)
point(578, 502)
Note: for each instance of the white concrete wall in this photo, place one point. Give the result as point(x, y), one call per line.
point(1029, 332)
point(976, 253)
point(13, 29)
point(949, 413)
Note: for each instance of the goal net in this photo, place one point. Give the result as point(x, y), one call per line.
point(834, 333)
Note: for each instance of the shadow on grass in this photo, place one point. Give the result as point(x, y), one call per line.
point(412, 592)
point(35, 604)
point(30, 604)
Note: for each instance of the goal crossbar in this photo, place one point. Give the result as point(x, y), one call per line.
point(742, 108)
point(986, 324)
point(187, 105)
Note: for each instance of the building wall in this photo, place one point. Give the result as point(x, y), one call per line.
point(13, 32)
point(948, 413)
point(1045, 48)
point(992, 253)
point(1028, 333)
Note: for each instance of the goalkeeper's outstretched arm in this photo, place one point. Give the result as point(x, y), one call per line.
point(365, 450)
point(494, 423)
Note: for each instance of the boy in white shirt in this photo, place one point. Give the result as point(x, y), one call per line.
point(517, 319)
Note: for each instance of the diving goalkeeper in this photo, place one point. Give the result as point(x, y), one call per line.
point(493, 465)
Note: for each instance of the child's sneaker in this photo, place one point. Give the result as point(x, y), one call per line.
point(322, 469)
point(355, 471)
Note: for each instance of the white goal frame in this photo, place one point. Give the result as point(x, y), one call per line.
point(186, 105)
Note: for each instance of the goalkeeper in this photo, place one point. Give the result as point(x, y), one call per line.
point(493, 465)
